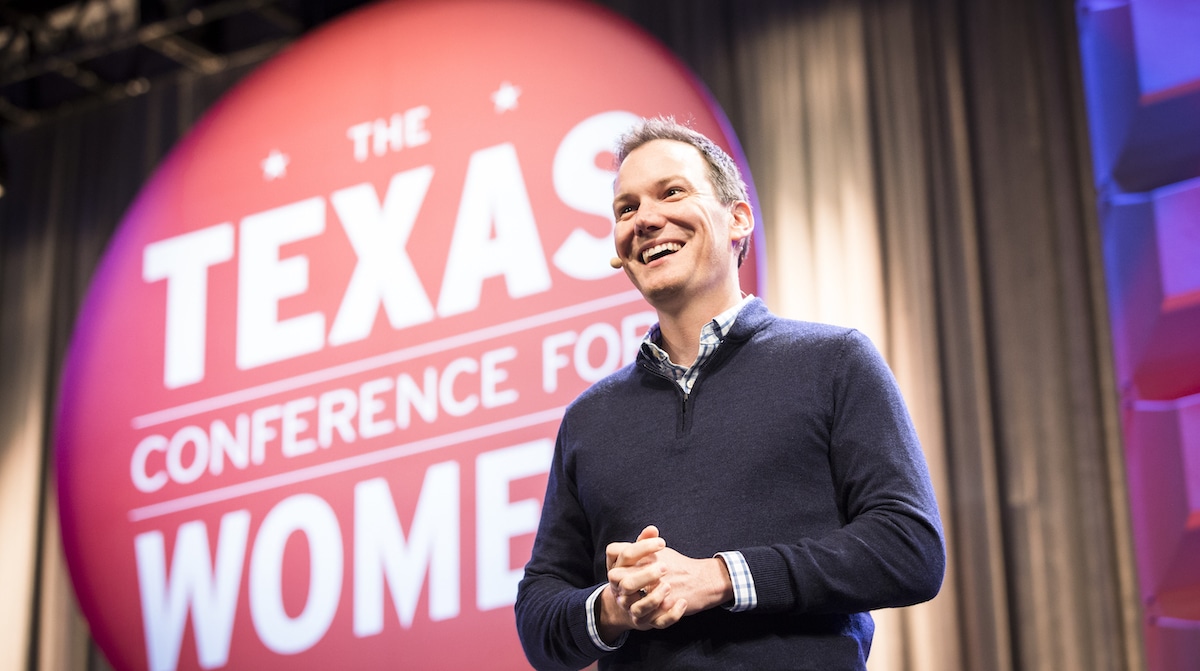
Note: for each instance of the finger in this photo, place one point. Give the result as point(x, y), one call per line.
point(646, 602)
point(649, 532)
point(633, 554)
point(643, 602)
point(611, 552)
point(670, 616)
point(632, 580)
point(634, 604)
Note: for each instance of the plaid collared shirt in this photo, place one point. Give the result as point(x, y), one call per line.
point(710, 339)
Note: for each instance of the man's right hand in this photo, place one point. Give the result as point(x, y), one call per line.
point(637, 597)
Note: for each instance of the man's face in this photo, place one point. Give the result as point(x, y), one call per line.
point(673, 234)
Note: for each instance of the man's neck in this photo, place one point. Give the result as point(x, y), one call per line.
point(680, 329)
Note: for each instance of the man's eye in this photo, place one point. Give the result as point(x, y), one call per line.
point(674, 191)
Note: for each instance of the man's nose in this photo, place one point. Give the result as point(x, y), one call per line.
point(648, 218)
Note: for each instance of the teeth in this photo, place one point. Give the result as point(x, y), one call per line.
point(660, 250)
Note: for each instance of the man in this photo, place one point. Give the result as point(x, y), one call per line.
point(750, 487)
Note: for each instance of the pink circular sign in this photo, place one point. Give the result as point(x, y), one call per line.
point(311, 399)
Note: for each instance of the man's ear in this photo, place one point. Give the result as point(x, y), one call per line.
point(743, 221)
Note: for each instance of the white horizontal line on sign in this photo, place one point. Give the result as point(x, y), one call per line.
point(381, 360)
point(342, 465)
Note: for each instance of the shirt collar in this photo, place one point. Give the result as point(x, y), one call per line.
point(711, 336)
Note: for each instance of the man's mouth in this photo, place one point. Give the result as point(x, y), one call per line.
point(659, 251)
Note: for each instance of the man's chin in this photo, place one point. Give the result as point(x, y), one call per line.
point(661, 294)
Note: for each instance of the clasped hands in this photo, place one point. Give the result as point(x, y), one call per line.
point(651, 586)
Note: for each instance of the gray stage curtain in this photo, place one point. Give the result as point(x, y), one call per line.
point(923, 175)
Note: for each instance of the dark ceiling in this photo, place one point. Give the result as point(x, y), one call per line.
point(56, 54)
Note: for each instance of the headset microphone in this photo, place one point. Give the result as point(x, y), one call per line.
point(615, 262)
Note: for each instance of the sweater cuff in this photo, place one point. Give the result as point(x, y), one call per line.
point(772, 580)
point(745, 597)
point(593, 626)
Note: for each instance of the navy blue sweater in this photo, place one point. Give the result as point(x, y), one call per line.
point(795, 448)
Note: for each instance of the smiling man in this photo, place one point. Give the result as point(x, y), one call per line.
point(748, 489)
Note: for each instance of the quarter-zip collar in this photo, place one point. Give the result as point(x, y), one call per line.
point(711, 336)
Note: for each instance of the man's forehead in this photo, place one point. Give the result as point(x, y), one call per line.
point(664, 150)
point(658, 162)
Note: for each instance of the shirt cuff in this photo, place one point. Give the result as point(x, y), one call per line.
point(744, 596)
point(593, 627)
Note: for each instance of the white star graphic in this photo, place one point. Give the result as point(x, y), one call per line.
point(274, 166)
point(505, 98)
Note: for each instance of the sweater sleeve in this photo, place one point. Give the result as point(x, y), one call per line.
point(889, 552)
point(552, 598)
